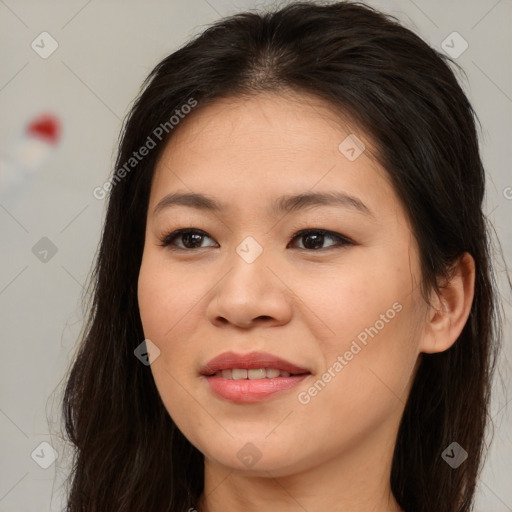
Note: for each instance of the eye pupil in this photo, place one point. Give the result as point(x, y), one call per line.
point(188, 236)
point(318, 238)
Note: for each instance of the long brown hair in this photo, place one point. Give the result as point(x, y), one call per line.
point(128, 453)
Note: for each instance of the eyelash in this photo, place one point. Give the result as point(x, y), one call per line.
point(167, 240)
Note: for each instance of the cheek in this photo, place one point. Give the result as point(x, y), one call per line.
point(368, 368)
point(369, 301)
point(373, 344)
point(166, 296)
point(166, 301)
point(154, 299)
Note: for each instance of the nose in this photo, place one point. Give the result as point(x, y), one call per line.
point(251, 293)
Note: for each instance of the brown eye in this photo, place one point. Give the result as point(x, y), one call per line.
point(190, 239)
point(315, 238)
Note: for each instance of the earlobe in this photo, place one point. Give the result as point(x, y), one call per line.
point(450, 307)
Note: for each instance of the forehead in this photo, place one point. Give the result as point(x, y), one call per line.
point(253, 149)
point(266, 121)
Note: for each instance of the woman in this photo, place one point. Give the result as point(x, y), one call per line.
point(293, 300)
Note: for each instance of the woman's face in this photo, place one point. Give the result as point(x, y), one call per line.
point(342, 308)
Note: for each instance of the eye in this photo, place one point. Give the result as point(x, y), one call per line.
point(191, 238)
point(314, 239)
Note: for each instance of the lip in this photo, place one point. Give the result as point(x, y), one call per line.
point(230, 360)
point(246, 390)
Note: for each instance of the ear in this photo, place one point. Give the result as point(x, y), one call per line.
point(450, 307)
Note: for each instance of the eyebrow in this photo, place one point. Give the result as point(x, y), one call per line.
point(281, 205)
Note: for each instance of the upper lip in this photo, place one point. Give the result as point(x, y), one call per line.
point(229, 360)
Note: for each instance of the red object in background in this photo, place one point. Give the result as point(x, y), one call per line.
point(46, 127)
point(25, 156)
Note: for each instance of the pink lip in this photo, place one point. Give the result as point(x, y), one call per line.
point(229, 360)
point(246, 390)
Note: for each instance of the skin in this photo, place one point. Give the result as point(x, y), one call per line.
point(305, 305)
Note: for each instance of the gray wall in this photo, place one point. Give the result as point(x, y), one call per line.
point(105, 50)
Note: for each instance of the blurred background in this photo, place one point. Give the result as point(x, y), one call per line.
point(69, 74)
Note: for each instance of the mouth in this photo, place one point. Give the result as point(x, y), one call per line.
point(245, 378)
point(253, 373)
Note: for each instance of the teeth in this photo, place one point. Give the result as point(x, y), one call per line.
point(256, 373)
point(252, 374)
point(239, 373)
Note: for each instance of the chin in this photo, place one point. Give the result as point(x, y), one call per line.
point(253, 457)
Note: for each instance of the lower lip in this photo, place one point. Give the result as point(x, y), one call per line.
point(247, 391)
